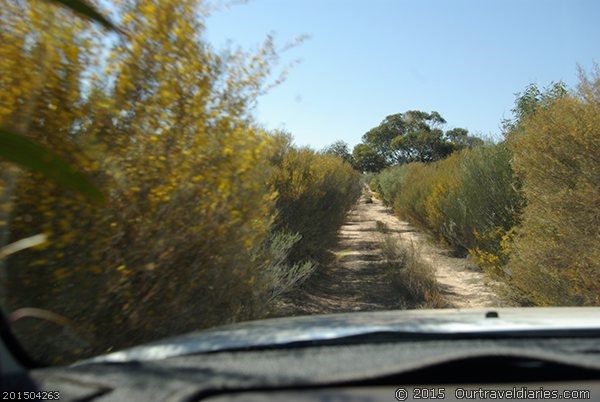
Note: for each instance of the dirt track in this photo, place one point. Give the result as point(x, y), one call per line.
point(356, 282)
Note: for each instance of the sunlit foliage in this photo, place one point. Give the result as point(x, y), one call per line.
point(341, 149)
point(314, 193)
point(525, 209)
point(470, 200)
point(388, 183)
point(413, 136)
point(164, 124)
point(556, 254)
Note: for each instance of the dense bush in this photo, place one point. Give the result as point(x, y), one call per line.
point(314, 193)
point(556, 255)
point(204, 211)
point(469, 200)
point(484, 204)
point(388, 183)
point(186, 176)
point(526, 208)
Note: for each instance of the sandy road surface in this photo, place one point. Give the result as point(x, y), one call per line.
point(355, 280)
point(463, 284)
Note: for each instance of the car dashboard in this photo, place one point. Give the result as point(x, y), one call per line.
point(275, 360)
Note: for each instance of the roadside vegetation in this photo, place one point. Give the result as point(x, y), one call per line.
point(207, 218)
point(171, 209)
point(555, 256)
point(412, 278)
point(314, 193)
point(524, 209)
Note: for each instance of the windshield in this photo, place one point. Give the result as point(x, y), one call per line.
point(169, 166)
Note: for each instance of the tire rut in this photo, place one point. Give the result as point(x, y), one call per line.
point(356, 281)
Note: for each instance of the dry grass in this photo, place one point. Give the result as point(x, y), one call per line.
point(413, 278)
point(381, 227)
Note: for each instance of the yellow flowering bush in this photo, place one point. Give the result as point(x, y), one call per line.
point(469, 200)
point(555, 256)
point(163, 123)
point(314, 193)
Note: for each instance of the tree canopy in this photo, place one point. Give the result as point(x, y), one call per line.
point(413, 136)
point(365, 158)
point(341, 149)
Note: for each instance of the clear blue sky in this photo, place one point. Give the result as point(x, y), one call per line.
point(367, 59)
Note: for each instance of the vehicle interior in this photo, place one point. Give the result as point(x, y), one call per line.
point(371, 366)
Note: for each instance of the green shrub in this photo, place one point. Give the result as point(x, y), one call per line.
point(470, 200)
point(315, 192)
point(527, 207)
point(282, 275)
point(388, 183)
point(556, 255)
point(185, 238)
point(484, 205)
point(416, 185)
